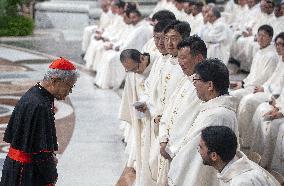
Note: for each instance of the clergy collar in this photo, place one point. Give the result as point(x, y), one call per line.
point(225, 101)
point(239, 165)
point(173, 60)
point(268, 47)
point(44, 91)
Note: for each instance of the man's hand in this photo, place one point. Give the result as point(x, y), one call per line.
point(163, 152)
point(273, 114)
point(109, 46)
point(98, 37)
point(157, 119)
point(142, 108)
point(258, 89)
point(98, 32)
point(116, 48)
point(105, 39)
point(247, 33)
point(236, 85)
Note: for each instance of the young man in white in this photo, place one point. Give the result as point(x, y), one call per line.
point(183, 104)
point(263, 65)
point(218, 148)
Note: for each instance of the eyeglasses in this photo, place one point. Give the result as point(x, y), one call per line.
point(279, 44)
point(196, 79)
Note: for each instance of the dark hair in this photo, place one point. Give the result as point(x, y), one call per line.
point(196, 45)
point(199, 6)
point(271, 2)
point(281, 35)
point(129, 6)
point(163, 14)
point(217, 72)
point(222, 140)
point(161, 25)
point(130, 53)
point(266, 28)
point(182, 27)
point(119, 4)
point(135, 11)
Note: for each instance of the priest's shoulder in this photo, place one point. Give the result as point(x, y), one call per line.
point(34, 94)
point(32, 97)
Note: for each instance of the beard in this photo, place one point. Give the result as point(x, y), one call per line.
point(207, 161)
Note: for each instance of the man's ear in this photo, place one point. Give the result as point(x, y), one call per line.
point(199, 57)
point(214, 156)
point(210, 86)
point(142, 58)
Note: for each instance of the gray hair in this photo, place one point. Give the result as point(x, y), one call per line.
point(216, 12)
point(64, 75)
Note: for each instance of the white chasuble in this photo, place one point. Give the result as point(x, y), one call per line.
point(278, 155)
point(181, 109)
point(187, 167)
point(243, 172)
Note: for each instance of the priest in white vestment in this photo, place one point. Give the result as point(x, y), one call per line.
point(218, 109)
point(109, 34)
point(110, 44)
point(217, 36)
point(138, 67)
point(182, 106)
point(172, 72)
point(148, 137)
point(105, 20)
point(263, 65)
point(266, 122)
point(218, 148)
point(197, 17)
point(278, 21)
point(278, 155)
point(235, 15)
point(272, 87)
point(244, 46)
point(110, 73)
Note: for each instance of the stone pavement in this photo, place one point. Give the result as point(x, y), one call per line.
point(87, 124)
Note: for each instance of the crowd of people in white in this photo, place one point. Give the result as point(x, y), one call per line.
point(184, 122)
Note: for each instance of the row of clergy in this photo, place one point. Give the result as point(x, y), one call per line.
point(226, 34)
point(173, 93)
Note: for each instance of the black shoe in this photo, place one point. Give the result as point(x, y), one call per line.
point(82, 55)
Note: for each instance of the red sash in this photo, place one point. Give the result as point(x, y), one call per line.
point(19, 156)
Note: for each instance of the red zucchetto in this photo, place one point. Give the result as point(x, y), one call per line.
point(62, 64)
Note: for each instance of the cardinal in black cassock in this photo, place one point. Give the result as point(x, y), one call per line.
point(31, 132)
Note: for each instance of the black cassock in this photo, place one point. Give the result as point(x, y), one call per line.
point(31, 130)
